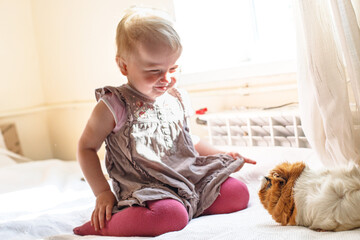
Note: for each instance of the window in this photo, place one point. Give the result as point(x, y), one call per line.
point(231, 34)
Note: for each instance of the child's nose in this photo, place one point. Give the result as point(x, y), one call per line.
point(166, 77)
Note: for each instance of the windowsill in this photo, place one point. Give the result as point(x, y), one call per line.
point(246, 76)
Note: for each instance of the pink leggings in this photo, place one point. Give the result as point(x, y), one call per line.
point(166, 215)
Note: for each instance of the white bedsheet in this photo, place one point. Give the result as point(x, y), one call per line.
point(46, 199)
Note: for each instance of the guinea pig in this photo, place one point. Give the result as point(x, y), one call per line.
point(323, 200)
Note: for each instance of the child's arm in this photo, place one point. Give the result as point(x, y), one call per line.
point(205, 149)
point(100, 124)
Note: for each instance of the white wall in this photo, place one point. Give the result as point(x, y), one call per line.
point(19, 59)
point(20, 82)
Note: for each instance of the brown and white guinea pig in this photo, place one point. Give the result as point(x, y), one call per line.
point(326, 200)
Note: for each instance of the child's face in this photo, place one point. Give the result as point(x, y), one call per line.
point(152, 70)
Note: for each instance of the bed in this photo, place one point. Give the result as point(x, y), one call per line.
point(46, 199)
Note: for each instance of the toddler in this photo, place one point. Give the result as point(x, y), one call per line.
point(160, 179)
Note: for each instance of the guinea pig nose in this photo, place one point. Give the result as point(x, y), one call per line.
point(267, 179)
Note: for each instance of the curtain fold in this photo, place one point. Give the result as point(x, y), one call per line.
point(329, 78)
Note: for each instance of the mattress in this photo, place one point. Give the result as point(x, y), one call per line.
point(46, 199)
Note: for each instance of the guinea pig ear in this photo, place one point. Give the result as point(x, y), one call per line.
point(279, 178)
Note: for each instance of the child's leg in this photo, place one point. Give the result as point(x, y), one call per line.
point(158, 217)
point(234, 196)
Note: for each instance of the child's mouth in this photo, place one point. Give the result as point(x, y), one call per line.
point(161, 88)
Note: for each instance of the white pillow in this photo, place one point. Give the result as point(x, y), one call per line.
point(2, 141)
point(5, 160)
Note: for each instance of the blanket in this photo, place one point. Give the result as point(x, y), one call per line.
point(47, 199)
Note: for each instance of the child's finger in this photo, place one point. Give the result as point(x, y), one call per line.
point(101, 218)
point(92, 219)
point(95, 221)
point(108, 212)
point(247, 160)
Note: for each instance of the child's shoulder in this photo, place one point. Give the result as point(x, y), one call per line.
point(110, 96)
point(107, 90)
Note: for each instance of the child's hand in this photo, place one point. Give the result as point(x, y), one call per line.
point(237, 155)
point(104, 205)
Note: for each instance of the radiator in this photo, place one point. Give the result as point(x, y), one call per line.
point(255, 128)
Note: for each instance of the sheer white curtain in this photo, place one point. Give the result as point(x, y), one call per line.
point(329, 77)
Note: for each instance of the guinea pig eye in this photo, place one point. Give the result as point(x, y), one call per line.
point(268, 183)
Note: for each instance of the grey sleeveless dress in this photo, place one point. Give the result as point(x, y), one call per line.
point(152, 156)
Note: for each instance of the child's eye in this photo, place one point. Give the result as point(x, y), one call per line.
point(172, 70)
point(154, 71)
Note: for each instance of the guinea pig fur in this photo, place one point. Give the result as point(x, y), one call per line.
point(327, 200)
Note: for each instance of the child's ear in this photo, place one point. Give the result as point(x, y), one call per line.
point(122, 65)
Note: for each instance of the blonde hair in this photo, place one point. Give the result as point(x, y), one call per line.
point(145, 25)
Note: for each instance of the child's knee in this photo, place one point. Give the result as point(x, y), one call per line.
point(244, 194)
point(170, 214)
point(176, 211)
point(238, 190)
point(234, 196)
